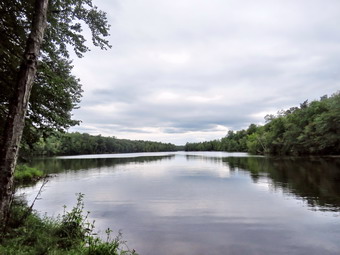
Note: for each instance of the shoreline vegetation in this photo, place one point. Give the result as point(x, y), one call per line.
point(58, 144)
point(311, 129)
point(27, 232)
point(25, 175)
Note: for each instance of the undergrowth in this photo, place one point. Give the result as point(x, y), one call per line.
point(71, 233)
point(24, 174)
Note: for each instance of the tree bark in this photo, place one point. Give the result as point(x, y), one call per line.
point(18, 108)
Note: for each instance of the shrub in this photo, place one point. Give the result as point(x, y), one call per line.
point(71, 233)
point(24, 174)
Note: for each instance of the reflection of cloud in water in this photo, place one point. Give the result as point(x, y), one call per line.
point(264, 184)
point(200, 203)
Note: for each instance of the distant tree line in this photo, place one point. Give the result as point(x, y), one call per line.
point(77, 143)
point(310, 129)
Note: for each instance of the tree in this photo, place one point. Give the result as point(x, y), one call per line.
point(56, 92)
point(18, 107)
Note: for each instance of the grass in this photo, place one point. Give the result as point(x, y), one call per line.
point(25, 175)
point(70, 233)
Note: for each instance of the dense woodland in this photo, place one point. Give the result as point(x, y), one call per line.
point(312, 128)
point(77, 143)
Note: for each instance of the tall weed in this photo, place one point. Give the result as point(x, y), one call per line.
point(71, 233)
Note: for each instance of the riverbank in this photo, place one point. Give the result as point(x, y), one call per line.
point(29, 233)
point(24, 175)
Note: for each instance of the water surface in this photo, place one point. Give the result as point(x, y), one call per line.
point(203, 202)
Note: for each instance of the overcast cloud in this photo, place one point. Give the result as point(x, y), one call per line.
point(189, 70)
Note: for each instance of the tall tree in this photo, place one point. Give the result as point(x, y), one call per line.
point(18, 107)
point(56, 92)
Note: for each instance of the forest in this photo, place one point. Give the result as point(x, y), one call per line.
point(77, 143)
point(310, 129)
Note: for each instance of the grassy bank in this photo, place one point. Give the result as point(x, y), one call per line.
point(25, 175)
point(70, 233)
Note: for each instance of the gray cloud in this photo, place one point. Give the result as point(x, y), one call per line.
point(190, 70)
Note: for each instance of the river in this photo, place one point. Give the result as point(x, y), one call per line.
point(202, 202)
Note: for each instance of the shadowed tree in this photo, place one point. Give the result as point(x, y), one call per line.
point(33, 48)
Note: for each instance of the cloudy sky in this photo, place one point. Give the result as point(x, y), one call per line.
point(189, 70)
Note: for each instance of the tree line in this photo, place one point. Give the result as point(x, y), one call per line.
point(310, 129)
point(83, 143)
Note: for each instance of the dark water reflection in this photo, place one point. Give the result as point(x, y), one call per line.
point(315, 180)
point(204, 203)
point(62, 164)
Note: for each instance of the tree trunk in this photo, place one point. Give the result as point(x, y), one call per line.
point(18, 107)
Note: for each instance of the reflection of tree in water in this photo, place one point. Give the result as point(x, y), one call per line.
point(57, 165)
point(315, 180)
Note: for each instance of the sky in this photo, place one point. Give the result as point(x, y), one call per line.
point(190, 70)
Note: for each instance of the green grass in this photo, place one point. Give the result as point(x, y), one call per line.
point(24, 174)
point(70, 233)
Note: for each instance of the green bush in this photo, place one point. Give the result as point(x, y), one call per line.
point(25, 174)
point(71, 233)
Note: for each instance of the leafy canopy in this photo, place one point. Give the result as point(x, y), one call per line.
point(311, 129)
point(56, 91)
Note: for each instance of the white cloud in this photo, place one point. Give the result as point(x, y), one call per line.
point(181, 68)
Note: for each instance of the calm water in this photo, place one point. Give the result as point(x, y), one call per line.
point(204, 202)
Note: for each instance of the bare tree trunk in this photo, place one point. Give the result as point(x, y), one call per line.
point(18, 107)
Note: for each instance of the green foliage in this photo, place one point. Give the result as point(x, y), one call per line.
point(56, 91)
point(232, 142)
point(313, 129)
point(77, 143)
point(24, 174)
point(28, 235)
point(72, 230)
point(70, 233)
